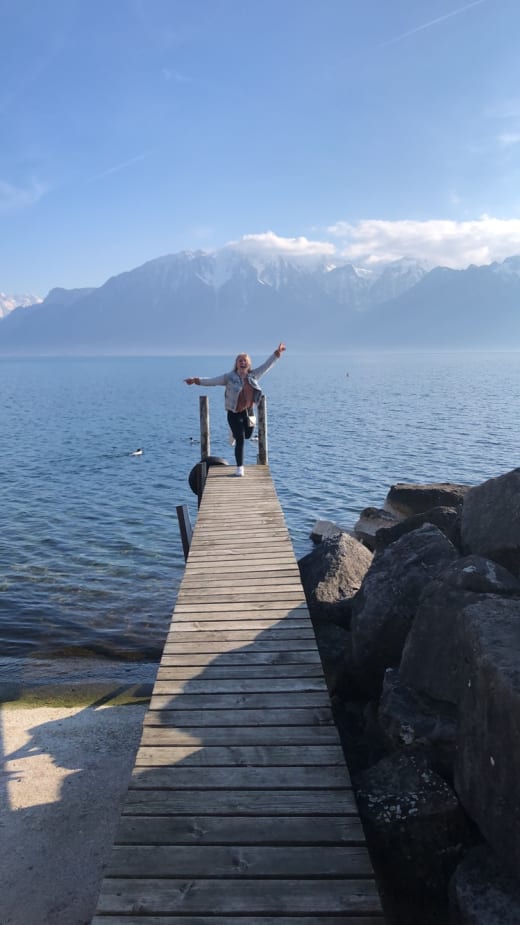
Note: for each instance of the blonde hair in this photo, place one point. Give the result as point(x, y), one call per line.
point(246, 356)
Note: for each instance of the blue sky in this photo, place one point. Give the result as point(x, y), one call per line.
point(366, 129)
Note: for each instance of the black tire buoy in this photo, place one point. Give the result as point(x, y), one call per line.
point(195, 475)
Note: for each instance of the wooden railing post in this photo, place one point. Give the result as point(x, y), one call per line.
point(205, 442)
point(262, 431)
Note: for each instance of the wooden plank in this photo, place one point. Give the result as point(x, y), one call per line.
point(157, 734)
point(248, 618)
point(237, 657)
point(253, 672)
point(251, 581)
point(334, 777)
point(339, 919)
point(236, 646)
point(244, 830)
point(241, 756)
point(248, 700)
point(244, 685)
point(196, 626)
point(281, 559)
point(238, 861)
point(235, 802)
point(256, 609)
point(179, 634)
point(271, 569)
point(232, 897)
point(311, 716)
point(239, 634)
point(263, 541)
point(228, 535)
point(288, 598)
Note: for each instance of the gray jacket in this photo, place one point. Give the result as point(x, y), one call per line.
point(234, 383)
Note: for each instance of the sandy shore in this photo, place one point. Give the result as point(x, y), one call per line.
point(68, 750)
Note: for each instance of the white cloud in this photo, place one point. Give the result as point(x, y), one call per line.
point(13, 197)
point(437, 242)
point(269, 244)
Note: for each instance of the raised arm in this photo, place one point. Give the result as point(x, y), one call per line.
point(264, 367)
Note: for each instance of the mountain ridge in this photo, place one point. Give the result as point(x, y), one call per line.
point(194, 301)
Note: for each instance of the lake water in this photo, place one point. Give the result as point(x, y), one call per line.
point(90, 550)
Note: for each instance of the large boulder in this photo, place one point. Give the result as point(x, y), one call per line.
point(331, 573)
point(414, 822)
point(433, 659)
point(333, 643)
point(447, 519)
point(481, 893)
point(410, 721)
point(490, 521)
point(487, 765)
point(384, 608)
point(408, 500)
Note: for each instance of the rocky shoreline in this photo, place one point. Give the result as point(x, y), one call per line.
point(417, 618)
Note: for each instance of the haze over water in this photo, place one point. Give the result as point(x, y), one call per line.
point(90, 551)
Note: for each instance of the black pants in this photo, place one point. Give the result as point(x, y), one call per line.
point(240, 428)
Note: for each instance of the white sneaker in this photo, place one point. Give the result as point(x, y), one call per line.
point(231, 439)
point(240, 470)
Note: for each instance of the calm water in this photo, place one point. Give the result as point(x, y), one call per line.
point(90, 552)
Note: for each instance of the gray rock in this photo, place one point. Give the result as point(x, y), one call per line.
point(333, 572)
point(434, 655)
point(371, 520)
point(417, 499)
point(414, 821)
point(487, 766)
point(325, 530)
point(384, 608)
point(410, 721)
point(333, 642)
point(490, 521)
point(481, 575)
point(481, 893)
point(447, 519)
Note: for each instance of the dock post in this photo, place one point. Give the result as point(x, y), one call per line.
point(262, 431)
point(205, 442)
point(183, 516)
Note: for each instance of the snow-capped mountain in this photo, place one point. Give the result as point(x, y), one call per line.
point(197, 302)
point(9, 302)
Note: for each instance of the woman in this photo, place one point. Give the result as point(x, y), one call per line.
point(242, 390)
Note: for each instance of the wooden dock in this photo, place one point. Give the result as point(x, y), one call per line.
point(240, 808)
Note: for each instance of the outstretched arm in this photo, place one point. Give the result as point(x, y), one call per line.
point(200, 380)
point(276, 354)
